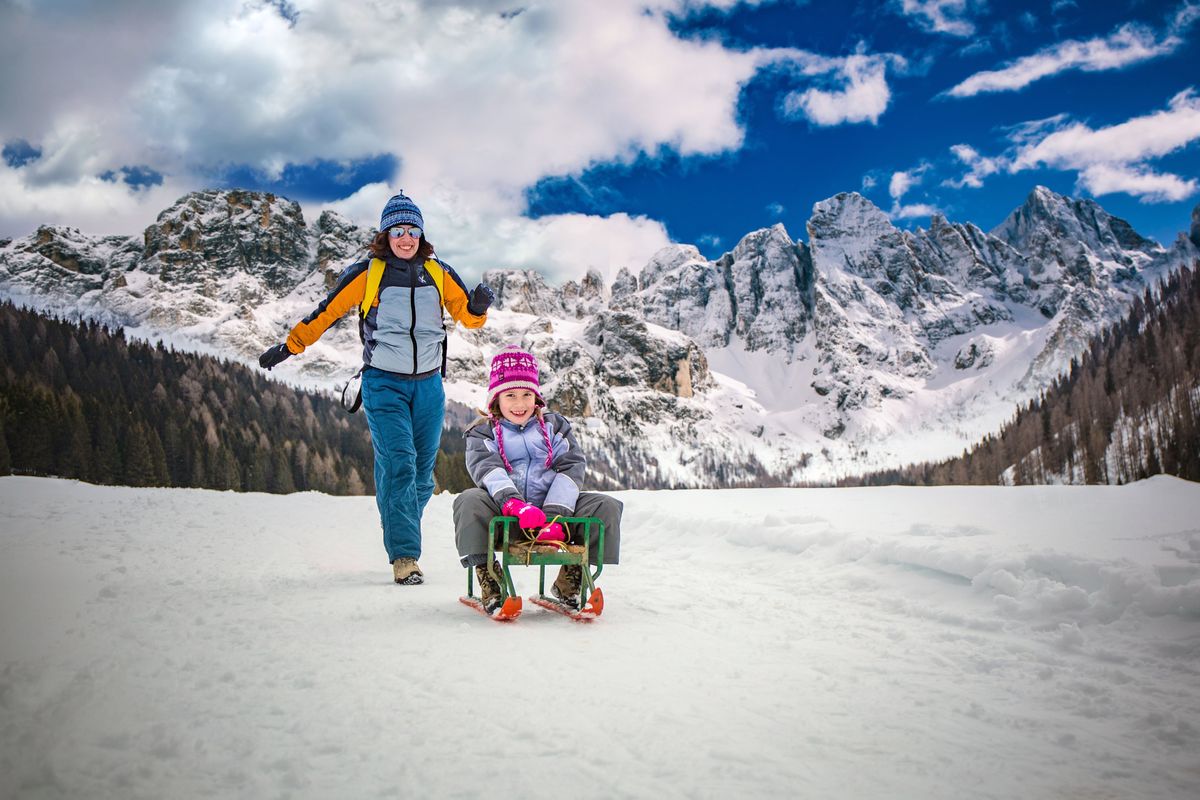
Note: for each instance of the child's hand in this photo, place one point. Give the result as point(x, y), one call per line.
point(528, 516)
point(552, 533)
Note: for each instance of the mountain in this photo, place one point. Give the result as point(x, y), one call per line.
point(782, 361)
point(1127, 409)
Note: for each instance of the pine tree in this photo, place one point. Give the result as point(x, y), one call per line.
point(139, 466)
point(281, 473)
point(5, 459)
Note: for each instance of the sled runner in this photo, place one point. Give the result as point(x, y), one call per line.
point(508, 545)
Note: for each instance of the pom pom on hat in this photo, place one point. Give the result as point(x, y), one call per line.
point(513, 368)
point(400, 210)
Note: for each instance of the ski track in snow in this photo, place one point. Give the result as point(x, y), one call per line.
point(1035, 642)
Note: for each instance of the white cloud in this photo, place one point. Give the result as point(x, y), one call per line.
point(1129, 44)
point(478, 107)
point(980, 167)
point(487, 100)
point(1107, 160)
point(1077, 146)
point(776, 209)
point(951, 17)
point(899, 185)
point(912, 211)
point(1139, 181)
point(901, 182)
point(859, 91)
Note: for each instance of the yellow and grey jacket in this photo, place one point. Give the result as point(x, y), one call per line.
point(403, 331)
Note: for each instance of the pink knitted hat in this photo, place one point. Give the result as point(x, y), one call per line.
point(513, 368)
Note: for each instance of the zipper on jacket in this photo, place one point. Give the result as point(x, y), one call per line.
point(412, 324)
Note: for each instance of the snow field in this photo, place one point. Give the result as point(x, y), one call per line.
point(1036, 642)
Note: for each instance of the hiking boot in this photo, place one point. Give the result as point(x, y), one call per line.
point(566, 586)
point(406, 571)
point(489, 588)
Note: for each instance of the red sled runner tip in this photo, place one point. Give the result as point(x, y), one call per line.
point(507, 612)
point(591, 609)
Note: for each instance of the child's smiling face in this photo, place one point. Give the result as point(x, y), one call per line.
point(517, 405)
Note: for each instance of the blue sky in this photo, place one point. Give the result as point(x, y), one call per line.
point(568, 135)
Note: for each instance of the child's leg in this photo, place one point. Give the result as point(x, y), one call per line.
point(608, 509)
point(473, 511)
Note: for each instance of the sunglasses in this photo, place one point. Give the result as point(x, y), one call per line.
point(398, 233)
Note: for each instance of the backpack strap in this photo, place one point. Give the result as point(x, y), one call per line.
point(439, 278)
point(375, 275)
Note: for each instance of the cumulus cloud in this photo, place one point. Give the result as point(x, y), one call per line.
point(486, 101)
point(1129, 44)
point(1136, 180)
point(899, 185)
point(1077, 146)
point(1107, 160)
point(856, 88)
point(980, 167)
point(951, 17)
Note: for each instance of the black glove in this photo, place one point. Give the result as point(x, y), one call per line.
point(481, 300)
point(274, 355)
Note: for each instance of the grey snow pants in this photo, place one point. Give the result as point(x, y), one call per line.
point(474, 509)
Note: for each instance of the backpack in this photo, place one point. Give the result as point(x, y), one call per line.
point(352, 391)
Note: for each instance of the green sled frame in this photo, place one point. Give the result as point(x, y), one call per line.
point(502, 528)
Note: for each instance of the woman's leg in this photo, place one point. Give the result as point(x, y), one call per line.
point(387, 400)
point(428, 412)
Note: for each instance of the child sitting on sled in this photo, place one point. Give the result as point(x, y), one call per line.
point(526, 464)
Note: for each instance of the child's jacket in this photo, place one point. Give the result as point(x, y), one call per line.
point(554, 488)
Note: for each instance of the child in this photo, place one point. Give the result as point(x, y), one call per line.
point(526, 464)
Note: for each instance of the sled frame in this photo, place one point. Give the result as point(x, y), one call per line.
point(505, 530)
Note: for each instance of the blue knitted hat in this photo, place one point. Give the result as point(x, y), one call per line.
point(401, 211)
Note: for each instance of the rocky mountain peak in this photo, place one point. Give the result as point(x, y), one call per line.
point(1194, 233)
point(1055, 231)
point(844, 228)
point(211, 234)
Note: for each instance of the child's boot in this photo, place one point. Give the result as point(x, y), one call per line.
point(566, 586)
point(489, 588)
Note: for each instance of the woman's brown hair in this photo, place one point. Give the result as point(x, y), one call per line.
point(380, 248)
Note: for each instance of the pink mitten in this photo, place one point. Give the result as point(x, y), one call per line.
point(528, 516)
point(552, 533)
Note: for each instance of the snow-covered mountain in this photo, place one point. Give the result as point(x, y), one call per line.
point(781, 361)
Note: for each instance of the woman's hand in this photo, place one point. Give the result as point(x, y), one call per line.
point(481, 300)
point(273, 356)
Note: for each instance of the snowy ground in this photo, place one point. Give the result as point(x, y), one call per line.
point(858, 643)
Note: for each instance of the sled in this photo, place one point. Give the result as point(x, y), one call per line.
point(509, 546)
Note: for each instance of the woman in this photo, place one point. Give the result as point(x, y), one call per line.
point(404, 361)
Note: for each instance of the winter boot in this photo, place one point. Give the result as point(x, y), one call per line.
point(489, 589)
point(406, 571)
point(566, 586)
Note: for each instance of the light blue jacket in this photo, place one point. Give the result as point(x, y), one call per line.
point(555, 488)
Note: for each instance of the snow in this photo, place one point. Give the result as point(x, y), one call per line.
point(1033, 642)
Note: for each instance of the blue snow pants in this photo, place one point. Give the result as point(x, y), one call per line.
point(405, 418)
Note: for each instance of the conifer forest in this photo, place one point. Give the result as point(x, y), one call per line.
point(80, 400)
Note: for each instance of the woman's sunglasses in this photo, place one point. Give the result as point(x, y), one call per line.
point(397, 233)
